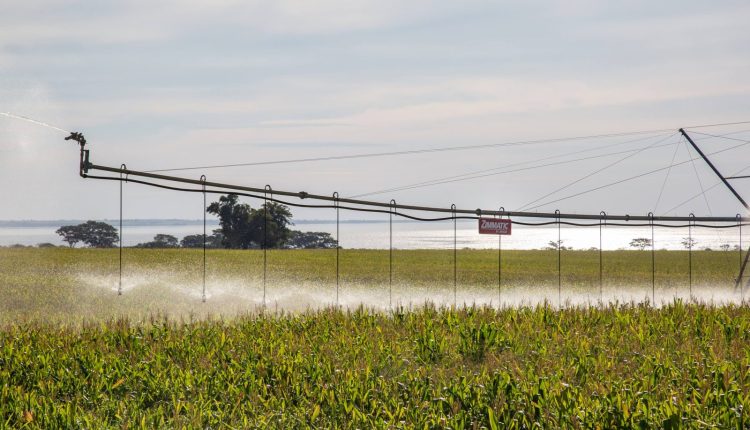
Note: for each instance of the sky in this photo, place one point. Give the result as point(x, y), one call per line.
point(185, 83)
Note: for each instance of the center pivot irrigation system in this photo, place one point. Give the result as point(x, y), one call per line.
point(267, 194)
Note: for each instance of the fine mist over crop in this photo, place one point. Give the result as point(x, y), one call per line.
point(228, 296)
point(82, 284)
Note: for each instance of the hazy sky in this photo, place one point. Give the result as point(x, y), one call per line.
point(183, 83)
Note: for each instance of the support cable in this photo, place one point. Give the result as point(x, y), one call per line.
point(441, 149)
point(478, 174)
point(599, 170)
point(700, 183)
point(666, 177)
point(720, 136)
point(412, 152)
point(471, 176)
point(716, 184)
point(630, 178)
point(705, 199)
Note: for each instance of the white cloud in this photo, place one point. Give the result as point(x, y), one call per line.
point(146, 21)
point(302, 17)
point(191, 82)
point(482, 98)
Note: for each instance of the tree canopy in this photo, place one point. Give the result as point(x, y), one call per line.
point(95, 234)
point(242, 227)
point(310, 240)
point(554, 245)
point(196, 240)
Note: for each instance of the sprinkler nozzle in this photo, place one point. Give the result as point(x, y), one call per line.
point(78, 137)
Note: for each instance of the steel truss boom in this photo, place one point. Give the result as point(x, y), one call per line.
point(743, 267)
point(86, 166)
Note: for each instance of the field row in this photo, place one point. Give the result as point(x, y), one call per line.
point(474, 267)
point(681, 366)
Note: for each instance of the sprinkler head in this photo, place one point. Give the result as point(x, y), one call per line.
point(78, 137)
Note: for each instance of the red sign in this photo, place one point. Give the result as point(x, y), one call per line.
point(494, 225)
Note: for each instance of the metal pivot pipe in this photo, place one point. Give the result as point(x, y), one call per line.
point(336, 203)
point(690, 257)
point(559, 265)
point(266, 190)
point(603, 217)
point(455, 254)
point(653, 260)
point(203, 179)
point(500, 266)
point(119, 285)
point(374, 204)
point(390, 252)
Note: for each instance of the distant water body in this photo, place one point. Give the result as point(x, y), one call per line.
point(406, 234)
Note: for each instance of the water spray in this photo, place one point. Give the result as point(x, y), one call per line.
point(33, 121)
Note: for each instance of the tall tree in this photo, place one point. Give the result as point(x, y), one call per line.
point(243, 227)
point(93, 233)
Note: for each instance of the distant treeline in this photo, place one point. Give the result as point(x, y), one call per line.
point(125, 222)
point(241, 227)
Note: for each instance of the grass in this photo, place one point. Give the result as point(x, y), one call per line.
point(75, 355)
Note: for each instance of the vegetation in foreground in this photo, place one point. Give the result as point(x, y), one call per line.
point(628, 366)
point(74, 356)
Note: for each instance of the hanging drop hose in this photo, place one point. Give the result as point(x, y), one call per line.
point(557, 218)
